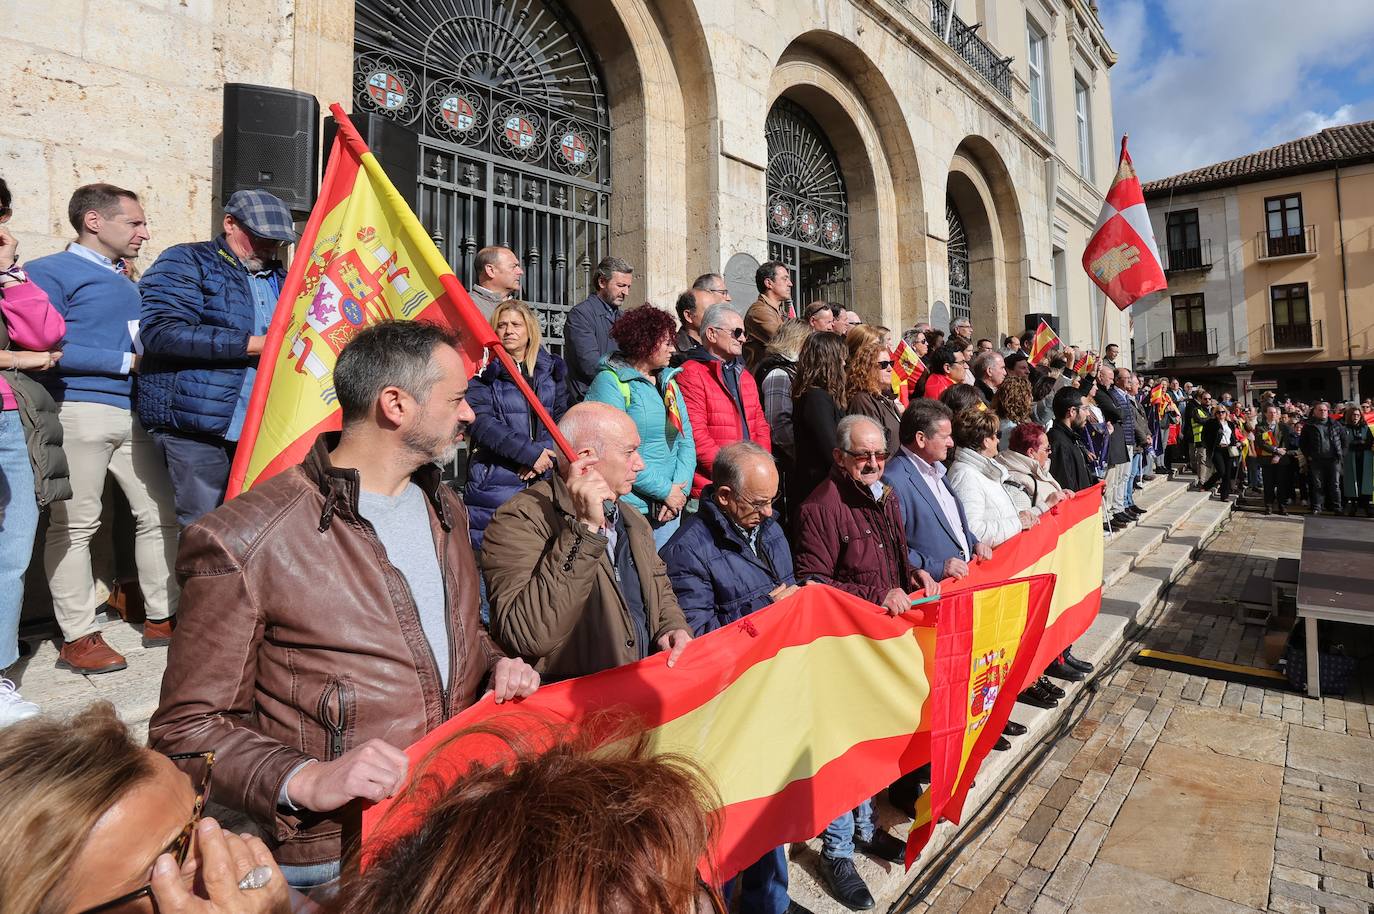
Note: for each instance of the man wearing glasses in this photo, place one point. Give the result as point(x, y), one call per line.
point(850, 535)
point(721, 395)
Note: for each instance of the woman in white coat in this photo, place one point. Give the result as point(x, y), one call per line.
point(1027, 462)
point(979, 481)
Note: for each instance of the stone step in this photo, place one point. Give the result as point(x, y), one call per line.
point(1150, 556)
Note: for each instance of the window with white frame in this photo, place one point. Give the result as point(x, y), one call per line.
point(1082, 106)
point(1039, 77)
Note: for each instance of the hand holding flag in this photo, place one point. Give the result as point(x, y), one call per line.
point(1046, 340)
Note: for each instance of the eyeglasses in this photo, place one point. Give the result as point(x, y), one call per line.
point(719, 291)
point(181, 845)
point(757, 504)
point(875, 456)
point(884, 364)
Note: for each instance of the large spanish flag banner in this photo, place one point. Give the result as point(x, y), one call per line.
point(363, 258)
point(1067, 543)
point(984, 648)
point(798, 713)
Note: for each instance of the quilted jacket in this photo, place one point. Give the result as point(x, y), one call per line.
point(715, 418)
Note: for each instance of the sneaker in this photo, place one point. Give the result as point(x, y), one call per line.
point(846, 884)
point(13, 707)
point(158, 633)
point(90, 655)
point(883, 846)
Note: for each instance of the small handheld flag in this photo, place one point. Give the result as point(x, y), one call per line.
point(1045, 341)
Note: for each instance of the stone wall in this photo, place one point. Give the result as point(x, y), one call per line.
point(131, 93)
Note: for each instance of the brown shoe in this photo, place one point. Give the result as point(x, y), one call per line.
point(159, 633)
point(90, 655)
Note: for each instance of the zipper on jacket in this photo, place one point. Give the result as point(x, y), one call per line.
point(335, 704)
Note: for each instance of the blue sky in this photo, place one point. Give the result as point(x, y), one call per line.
point(1202, 81)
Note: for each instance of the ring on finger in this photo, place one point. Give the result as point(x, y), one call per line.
point(256, 878)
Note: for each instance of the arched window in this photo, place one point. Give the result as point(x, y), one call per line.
point(514, 133)
point(960, 291)
point(808, 209)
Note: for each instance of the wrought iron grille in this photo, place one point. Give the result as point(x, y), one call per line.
point(977, 53)
point(960, 287)
point(514, 134)
point(808, 207)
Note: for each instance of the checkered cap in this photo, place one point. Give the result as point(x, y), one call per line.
point(262, 214)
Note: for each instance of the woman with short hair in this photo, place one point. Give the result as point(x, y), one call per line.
point(979, 482)
point(1027, 462)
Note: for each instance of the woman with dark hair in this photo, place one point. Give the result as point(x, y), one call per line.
point(868, 381)
point(959, 397)
point(637, 378)
point(1012, 404)
point(818, 404)
point(1220, 438)
point(584, 828)
point(1043, 389)
point(29, 336)
point(92, 821)
point(1358, 476)
point(511, 448)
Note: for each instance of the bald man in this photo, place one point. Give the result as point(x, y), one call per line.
point(574, 581)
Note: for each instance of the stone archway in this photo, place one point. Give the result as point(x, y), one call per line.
point(980, 191)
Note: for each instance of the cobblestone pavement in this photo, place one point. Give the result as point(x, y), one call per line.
point(1175, 792)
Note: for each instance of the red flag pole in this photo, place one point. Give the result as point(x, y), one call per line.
point(519, 378)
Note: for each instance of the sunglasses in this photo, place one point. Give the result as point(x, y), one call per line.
point(885, 364)
point(873, 456)
point(181, 845)
point(737, 333)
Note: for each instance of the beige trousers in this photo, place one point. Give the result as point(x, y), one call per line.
point(100, 439)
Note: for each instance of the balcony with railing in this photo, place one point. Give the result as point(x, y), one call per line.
point(1299, 241)
point(1188, 344)
point(1185, 259)
point(1293, 337)
point(977, 53)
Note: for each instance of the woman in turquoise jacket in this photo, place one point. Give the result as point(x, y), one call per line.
point(637, 379)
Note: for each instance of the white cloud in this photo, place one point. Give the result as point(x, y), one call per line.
point(1234, 76)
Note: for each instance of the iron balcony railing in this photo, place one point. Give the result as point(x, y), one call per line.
point(1197, 257)
point(977, 53)
point(1286, 242)
point(1186, 344)
point(1278, 337)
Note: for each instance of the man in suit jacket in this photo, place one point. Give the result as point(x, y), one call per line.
point(938, 537)
point(1118, 453)
point(587, 333)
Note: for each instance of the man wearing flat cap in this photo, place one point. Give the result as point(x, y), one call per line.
point(206, 309)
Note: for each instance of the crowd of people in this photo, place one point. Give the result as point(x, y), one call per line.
point(720, 461)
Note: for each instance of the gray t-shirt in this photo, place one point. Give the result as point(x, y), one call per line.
point(402, 524)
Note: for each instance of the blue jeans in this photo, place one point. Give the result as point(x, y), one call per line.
point(18, 522)
point(311, 876)
point(1134, 478)
point(762, 886)
point(664, 531)
point(199, 467)
point(837, 841)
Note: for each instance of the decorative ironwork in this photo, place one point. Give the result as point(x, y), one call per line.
point(960, 286)
point(808, 207)
point(977, 53)
point(514, 133)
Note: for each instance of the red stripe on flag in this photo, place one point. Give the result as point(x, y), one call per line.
point(1070, 626)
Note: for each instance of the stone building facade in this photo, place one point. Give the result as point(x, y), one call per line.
point(901, 158)
point(1270, 276)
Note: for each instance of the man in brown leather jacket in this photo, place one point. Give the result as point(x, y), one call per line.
point(573, 579)
point(769, 310)
point(329, 616)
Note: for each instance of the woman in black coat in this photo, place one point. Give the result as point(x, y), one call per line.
point(818, 404)
point(1220, 440)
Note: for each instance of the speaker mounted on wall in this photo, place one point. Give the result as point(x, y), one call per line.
point(272, 142)
point(396, 148)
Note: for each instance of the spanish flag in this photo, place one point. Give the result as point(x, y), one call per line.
point(363, 258)
point(1045, 340)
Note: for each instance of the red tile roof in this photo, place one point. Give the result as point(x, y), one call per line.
point(1342, 145)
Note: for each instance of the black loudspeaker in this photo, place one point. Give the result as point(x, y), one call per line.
point(1033, 322)
point(272, 142)
point(396, 149)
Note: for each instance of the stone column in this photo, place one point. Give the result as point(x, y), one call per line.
point(1243, 379)
point(1350, 382)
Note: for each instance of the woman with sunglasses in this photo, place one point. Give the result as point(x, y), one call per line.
point(92, 822)
point(868, 381)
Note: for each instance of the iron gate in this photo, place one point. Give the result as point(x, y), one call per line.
point(514, 134)
point(960, 289)
point(808, 208)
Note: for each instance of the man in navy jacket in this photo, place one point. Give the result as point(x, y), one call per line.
point(937, 532)
point(728, 560)
point(587, 334)
point(206, 309)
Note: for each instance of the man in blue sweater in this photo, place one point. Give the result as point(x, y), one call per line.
point(93, 385)
point(206, 309)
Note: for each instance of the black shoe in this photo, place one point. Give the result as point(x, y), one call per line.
point(797, 908)
point(1281, 511)
point(1148, 477)
point(846, 884)
point(1002, 744)
point(1116, 526)
point(1122, 518)
point(1139, 511)
point(1065, 672)
point(1037, 697)
point(1082, 666)
point(883, 846)
point(1014, 729)
point(1054, 691)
